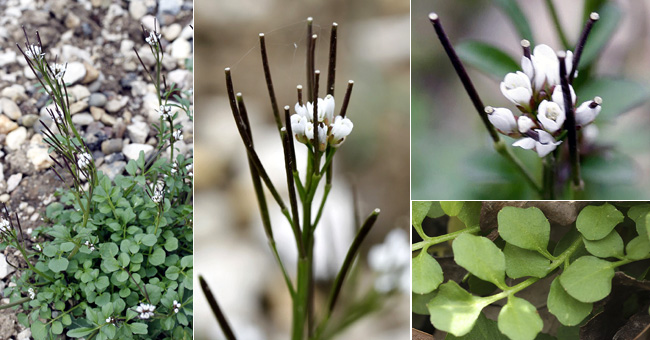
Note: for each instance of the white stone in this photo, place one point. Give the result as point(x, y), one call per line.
point(148, 21)
point(15, 138)
point(13, 181)
point(14, 92)
point(82, 119)
point(38, 155)
point(78, 92)
point(74, 73)
point(5, 268)
point(115, 105)
point(132, 151)
point(26, 334)
point(7, 58)
point(10, 109)
point(138, 131)
point(172, 31)
point(181, 49)
point(182, 78)
point(137, 9)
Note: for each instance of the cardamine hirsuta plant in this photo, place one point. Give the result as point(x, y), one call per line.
point(550, 121)
point(116, 261)
point(315, 124)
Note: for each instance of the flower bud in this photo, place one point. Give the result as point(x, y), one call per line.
point(340, 129)
point(587, 111)
point(516, 87)
point(558, 96)
point(502, 119)
point(524, 123)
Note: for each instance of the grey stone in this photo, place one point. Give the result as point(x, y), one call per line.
point(172, 31)
point(7, 58)
point(78, 92)
point(10, 109)
point(29, 120)
point(169, 6)
point(132, 151)
point(26, 334)
point(97, 100)
point(13, 181)
point(83, 119)
point(112, 146)
point(112, 169)
point(137, 9)
point(138, 131)
point(79, 106)
point(5, 268)
point(15, 138)
point(115, 105)
point(14, 92)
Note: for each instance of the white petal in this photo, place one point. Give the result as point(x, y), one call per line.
point(329, 107)
point(503, 119)
point(558, 95)
point(527, 66)
point(524, 123)
point(585, 114)
point(544, 149)
point(551, 115)
point(525, 143)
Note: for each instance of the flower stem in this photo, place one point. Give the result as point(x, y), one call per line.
point(570, 125)
point(221, 318)
point(269, 83)
point(331, 68)
point(15, 303)
point(593, 17)
point(558, 26)
point(429, 241)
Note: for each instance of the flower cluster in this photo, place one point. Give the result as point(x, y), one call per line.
point(178, 135)
point(177, 306)
point(145, 310)
point(537, 93)
point(89, 245)
point(84, 160)
point(332, 130)
point(110, 319)
point(164, 111)
point(59, 72)
point(153, 38)
point(32, 293)
point(5, 226)
point(158, 191)
point(34, 52)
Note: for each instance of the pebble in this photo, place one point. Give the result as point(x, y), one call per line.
point(82, 119)
point(180, 77)
point(172, 31)
point(6, 125)
point(14, 92)
point(97, 112)
point(137, 9)
point(15, 138)
point(13, 181)
point(38, 155)
point(10, 109)
point(169, 6)
point(113, 169)
point(181, 49)
point(132, 151)
point(26, 334)
point(4, 198)
point(78, 92)
point(97, 100)
point(2, 172)
point(29, 120)
point(148, 22)
point(138, 131)
point(8, 58)
point(112, 146)
point(72, 21)
point(91, 74)
point(79, 106)
point(5, 268)
point(108, 119)
point(75, 72)
point(115, 105)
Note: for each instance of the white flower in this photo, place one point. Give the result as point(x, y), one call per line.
point(145, 310)
point(340, 129)
point(524, 124)
point(178, 135)
point(164, 111)
point(4, 225)
point(543, 144)
point(34, 52)
point(517, 88)
point(545, 70)
point(32, 293)
point(551, 115)
point(558, 96)
point(391, 260)
point(89, 245)
point(325, 110)
point(37, 247)
point(587, 111)
point(152, 39)
point(299, 125)
point(84, 160)
point(177, 306)
point(158, 191)
point(59, 71)
point(502, 119)
point(322, 135)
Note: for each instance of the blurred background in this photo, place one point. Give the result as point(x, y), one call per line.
point(231, 249)
point(452, 154)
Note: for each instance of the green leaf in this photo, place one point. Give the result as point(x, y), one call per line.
point(50, 250)
point(172, 273)
point(483, 329)
point(131, 167)
point(638, 248)
point(419, 302)
point(470, 213)
point(67, 246)
point(480, 257)
point(138, 328)
point(436, 210)
point(609, 246)
point(519, 320)
point(39, 330)
point(639, 214)
point(567, 310)
point(525, 228)
point(109, 265)
point(419, 212)
point(149, 240)
point(171, 244)
point(427, 274)
point(57, 327)
point(523, 262)
point(601, 34)
point(157, 257)
point(486, 58)
point(619, 95)
point(452, 208)
point(588, 279)
point(596, 222)
point(79, 332)
point(512, 10)
point(108, 250)
point(58, 265)
point(454, 310)
point(187, 261)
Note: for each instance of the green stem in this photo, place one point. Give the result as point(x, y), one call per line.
point(429, 241)
point(15, 303)
point(328, 187)
point(302, 299)
point(558, 26)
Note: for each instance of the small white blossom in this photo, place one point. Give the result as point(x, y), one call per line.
point(84, 160)
point(177, 306)
point(330, 129)
point(502, 119)
point(178, 135)
point(158, 191)
point(558, 96)
point(59, 71)
point(89, 245)
point(391, 260)
point(174, 168)
point(164, 111)
point(524, 123)
point(325, 110)
point(34, 52)
point(517, 88)
point(152, 39)
point(5, 226)
point(32, 293)
point(551, 115)
point(340, 129)
point(587, 111)
point(110, 319)
point(145, 310)
point(546, 67)
point(322, 135)
point(37, 247)
point(543, 144)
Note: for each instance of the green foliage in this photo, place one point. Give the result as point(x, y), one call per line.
point(514, 12)
point(487, 58)
point(585, 259)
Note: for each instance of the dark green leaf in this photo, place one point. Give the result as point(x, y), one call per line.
point(486, 58)
point(523, 262)
point(512, 10)
point(526, 228)
point(619, 95)
point(427, 274)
